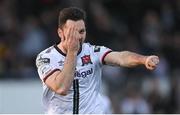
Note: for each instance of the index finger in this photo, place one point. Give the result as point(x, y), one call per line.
point(68, 32)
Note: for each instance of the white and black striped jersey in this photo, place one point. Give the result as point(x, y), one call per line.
point(84, 95)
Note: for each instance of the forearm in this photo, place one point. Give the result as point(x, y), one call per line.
point(65, 77)
point(131, 59)
point(125, 59)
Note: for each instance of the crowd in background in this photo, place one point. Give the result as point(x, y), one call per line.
point(143, 26)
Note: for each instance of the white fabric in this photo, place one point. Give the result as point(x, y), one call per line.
point(89, 75)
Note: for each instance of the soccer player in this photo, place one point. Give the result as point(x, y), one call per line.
point(71, 70)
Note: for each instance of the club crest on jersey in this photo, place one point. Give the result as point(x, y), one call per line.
point(86, 59)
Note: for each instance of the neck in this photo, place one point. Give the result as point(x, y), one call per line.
point(62, 48)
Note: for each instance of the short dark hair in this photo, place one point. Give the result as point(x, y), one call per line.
point(72, 13)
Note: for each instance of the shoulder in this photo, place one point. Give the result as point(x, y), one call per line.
point(47, 52)
point(44, 56)
point(94, 48)
point(87, 45)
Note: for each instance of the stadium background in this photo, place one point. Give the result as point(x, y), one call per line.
point(144, 26)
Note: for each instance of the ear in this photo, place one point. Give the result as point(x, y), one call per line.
point(60, 34)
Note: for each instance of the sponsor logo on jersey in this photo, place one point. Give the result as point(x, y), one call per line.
point(83, 74)
point(43, 61)
point(86, 59)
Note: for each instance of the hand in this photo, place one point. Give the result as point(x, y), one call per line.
point(151, 62)
point(72, 38)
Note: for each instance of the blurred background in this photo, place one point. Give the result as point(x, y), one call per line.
point(143, 26)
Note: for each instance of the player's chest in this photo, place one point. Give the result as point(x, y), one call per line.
point(85, 67)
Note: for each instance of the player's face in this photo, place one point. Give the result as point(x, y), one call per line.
point(80, 27)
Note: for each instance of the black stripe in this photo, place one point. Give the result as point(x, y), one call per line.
point(76, 96)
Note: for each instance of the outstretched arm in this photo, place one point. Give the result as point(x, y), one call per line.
point(131, 59)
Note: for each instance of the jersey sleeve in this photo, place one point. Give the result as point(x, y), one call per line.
point(101, 52)
point(45, 66)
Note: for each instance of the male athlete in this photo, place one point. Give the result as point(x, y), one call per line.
point(71, 70)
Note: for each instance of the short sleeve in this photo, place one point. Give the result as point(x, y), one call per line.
point(45, 66)
point(101, 52)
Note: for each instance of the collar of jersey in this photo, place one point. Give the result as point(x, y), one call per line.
point(60, 51)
